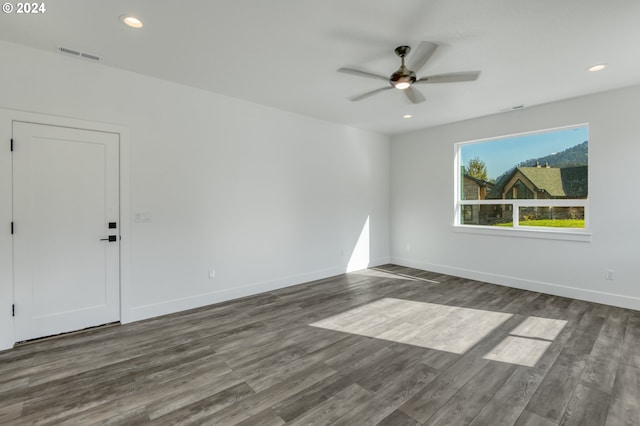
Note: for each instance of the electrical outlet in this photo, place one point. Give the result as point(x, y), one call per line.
point(212, 274)
point(610, 275)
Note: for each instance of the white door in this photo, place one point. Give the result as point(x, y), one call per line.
point(65, 207)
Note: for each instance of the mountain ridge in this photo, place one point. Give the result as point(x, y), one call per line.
point(576, 155)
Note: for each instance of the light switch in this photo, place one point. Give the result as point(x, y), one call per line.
point(143, 217)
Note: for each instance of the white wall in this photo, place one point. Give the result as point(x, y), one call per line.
point(422, 205)
point(267, 198)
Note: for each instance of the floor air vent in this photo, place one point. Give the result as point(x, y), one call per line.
point(78, 54)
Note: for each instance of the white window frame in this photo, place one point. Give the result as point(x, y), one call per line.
point(517, 230)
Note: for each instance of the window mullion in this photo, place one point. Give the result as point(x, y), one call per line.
point(515, 214)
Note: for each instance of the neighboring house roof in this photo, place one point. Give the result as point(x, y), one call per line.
point(480, 182)
point(545, 179)
point(567, 182)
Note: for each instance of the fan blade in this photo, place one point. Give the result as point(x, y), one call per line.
point(363, 73)
point(414, 95)
point(371, 93)
point(421, 55)
point(451, 77)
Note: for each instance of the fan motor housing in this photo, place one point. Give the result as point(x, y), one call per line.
point(401, 76)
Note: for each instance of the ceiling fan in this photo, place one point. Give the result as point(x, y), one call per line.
point(405, 77)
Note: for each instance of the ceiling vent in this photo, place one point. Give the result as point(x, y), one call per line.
point(512, 108)
point(78, 54)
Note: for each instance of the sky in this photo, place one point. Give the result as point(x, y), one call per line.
point(501, 154)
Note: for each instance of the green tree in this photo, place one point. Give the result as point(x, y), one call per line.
point(477, 168)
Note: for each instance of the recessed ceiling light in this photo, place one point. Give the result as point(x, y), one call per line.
point(407, 116)
point(598, 67)
point(131, 21)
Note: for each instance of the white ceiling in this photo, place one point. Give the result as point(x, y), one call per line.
point(284, 53)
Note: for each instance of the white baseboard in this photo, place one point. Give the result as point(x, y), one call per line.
point(612, 299)
point(138, 313)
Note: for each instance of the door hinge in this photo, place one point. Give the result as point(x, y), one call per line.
point(13, 310)
point(11, 228)
point(11, 144)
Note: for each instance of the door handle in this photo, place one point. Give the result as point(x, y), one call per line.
point(111, 238)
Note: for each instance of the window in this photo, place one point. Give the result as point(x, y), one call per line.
point(528, 182)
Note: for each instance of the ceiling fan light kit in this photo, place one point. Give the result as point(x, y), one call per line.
point(405, 76)
point(131, 21)
point(402, 83)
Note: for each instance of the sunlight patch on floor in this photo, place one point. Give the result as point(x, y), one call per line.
point(382, 274)
point(526, 343)
point(428, 325)
point(519, 350)
point(539, 328)
point(401, 276)
point(447, 328)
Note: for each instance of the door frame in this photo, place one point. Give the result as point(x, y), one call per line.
point(7, 117)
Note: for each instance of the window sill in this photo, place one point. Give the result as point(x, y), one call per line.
point(523, 232)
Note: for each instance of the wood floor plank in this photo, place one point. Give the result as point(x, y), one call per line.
point(398, 418)
point(587, 407)
point(556, 347)
point(508, 403)
point(353, 355)
point(267, 376)
point(254, 404)
point(264, 418)
point(198, 390)
point(121, 374)
point(600, 373)
point(108, 413)
point(314, 395)
point(199, 411)
point(630, 354)
point(586, 334)
point(625, 399)
point(615, 323)
point(334, 407)
point(370, 412)
point(381, 375)
point(429, 400)
point(9, 413)
point(463, 370)
point(259, 360)
point(406, 383)
point(439, 360)
point(607, 345)
point(465, 405)
point(554, 393)
point(520, 302)
point(528, 418)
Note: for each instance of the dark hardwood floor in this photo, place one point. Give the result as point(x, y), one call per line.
point(468, 353)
